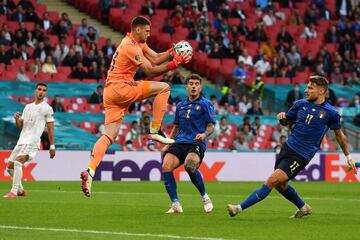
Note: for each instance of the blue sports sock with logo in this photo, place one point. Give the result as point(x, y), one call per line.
point(256, 196)
point(290, 194)
point(170, 185)
point(197, 180)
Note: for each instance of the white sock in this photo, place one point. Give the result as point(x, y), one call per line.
point(92, 172)
point(18, 173)
point(239, 208)
point(205, 196)
point(11, 173)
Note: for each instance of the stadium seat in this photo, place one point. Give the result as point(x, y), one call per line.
point(283, 80)
point(43, 77)
point(88, 126)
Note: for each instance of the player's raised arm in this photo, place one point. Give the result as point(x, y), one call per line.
point(341, 139)
point(156, 70)
point(158, 58)
point(18, 120)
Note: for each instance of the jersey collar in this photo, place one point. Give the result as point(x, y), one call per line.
point(131, 38)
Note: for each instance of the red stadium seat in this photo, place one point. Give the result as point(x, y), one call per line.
point(88, 126)
point(43, 77)
point(283, 80)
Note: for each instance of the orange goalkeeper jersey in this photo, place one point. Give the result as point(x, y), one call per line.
point(126, 60)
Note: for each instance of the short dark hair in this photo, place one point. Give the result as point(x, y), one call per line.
point(139, 21)
point(41, 84)
point(193, 77)
point(320, 81)
point(99, 86)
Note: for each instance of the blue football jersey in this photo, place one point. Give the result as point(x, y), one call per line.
point(192, 119)
point(312, 121)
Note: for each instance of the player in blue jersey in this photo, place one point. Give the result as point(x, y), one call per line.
point(194, 122)
point(312, 117)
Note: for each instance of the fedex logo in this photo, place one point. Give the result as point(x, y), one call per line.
point(129, 169)
point(329, 168)
point(27, 169)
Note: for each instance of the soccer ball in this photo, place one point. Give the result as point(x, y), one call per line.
point(183, 47)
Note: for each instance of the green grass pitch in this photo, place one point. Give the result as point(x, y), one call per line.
point(135, 210)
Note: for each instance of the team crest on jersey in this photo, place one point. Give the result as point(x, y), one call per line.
point(137, 57)
point(197, 107)
point(322, 114)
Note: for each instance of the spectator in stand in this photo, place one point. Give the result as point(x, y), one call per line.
point(353, 79)
point(243, 29)
point(4, 57)
point(166, 4)
point(348, 44)
point(79, 71)
point(77, 46)
point(60, 29)
point(215, 103)
point(246, 58)
point(67, 21)
point(109, 48)
point(97, 97)
point(168, 27)
point(284, 35)
point(269, 18)
point(104, 6)
point(293, 95)
point(311, 16)
point(255, 109)
point(228, 98)
point(247, 133)
point(36, 66)
point(84, 28)
point(331, 96)
point(89, 58)
point(216, 52)
point(294, 57)
point(244, 104)
point(144, 123)
point(262, 66)
point(256, 125)
point(132, 135)
point(5, 28)
point(3, 39)
point(38, 33)
point(205, 45)
point(18, 15)
point(48, 66)
point(237, 12)
point(31, 41)
point(22, 29)
point(71, 59)
point(295, 18)
point(325, 13)
point(57, 105)
point(268, 48)
point(309, 31)
point(239, 73)
point(240, 142)
point(61, 51)
point(45, 22)
point(25, 4)
point(91, 36)
point(148, 8)
point(355, 102)
point(13, 52)
point(231, 52)
point(120, 4)
point(280, 131)
point(336, 76)
point(261, 3)
point(343, 7)
point(4, 10)
point(308, 60)
point(258, 88)
point(40, 52)
point(31, 16)
point(94, 71)
point(19, 38)
point(258, 34)
point(23, 53)
point(226, 109)
point(21, 75)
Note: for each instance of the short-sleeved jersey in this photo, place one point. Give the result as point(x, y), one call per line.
point(126, 60)
point(312, 121)
point(34, 117)
point(192, 117)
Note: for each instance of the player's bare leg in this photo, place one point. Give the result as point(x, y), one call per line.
point(98, 152)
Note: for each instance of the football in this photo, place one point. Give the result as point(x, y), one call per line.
point(183, 47)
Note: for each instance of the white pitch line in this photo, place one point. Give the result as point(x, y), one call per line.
point(189, 194)
point(108, 233)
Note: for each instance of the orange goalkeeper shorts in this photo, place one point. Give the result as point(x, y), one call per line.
point(120, 95)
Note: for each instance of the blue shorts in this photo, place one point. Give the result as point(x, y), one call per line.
point(181, 150)
point(290, 161)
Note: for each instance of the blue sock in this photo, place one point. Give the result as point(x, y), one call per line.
point(170, 185)
point(256, 196)
point(291, 195)
point(197, 180)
